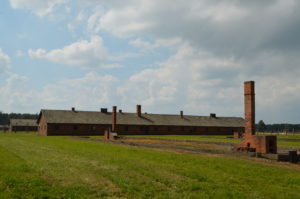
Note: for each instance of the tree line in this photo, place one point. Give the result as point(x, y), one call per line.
point(5, 117)
point(262, 127)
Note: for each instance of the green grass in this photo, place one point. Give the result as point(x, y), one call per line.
point(60, 167)
point(281, 135)
point(216, 138)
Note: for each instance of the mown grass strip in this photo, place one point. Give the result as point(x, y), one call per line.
point(94, 169)
point(214, 139)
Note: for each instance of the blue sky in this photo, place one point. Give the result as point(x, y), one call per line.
point(166, 55)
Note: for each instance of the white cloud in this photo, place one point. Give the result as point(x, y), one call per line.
point(218, 45)
point(217, 12)
point(40, 8)
point(77, 21)
point(192, 80)
point(200, 82)
point(4, 61)
point(226, 27)
point(147, 46)
point(184, 81)
point(15, 95)
point(88, 54)
point(89, 92)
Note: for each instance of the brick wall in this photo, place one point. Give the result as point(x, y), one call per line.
point(92, 129)
point(23, 128)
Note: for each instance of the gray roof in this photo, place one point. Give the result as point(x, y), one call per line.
point(90, 117)
point(23, 122)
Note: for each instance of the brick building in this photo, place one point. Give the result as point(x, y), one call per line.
point(73, 122)
point(22, 125)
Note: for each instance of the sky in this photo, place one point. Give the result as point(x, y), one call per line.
point(167, 55)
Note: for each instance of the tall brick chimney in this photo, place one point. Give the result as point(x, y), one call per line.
point(249, 92)
point(114, 119)
point(139, 110)
point(181, 114)
point(252, 142)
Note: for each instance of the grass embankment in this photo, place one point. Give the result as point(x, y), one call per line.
point(60, 167)
point(217, 138)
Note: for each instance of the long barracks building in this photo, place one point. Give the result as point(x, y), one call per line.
point(73, 122)
point(22, 125)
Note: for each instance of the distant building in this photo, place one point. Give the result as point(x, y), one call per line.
point(4, 128)
point(23, 125)
point(73, 122)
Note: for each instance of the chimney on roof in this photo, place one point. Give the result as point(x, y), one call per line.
point(103, 110)
point(73, 108)
point(249, 91)
point(114, 118)
point(139, 110)
point(181, 114)
point(120, 111)
point(213, 115)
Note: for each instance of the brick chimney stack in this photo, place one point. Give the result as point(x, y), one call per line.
point(181, 114)
point(114, 118)
point(139, 110)
point(249, 91)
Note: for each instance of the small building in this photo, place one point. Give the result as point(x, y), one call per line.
point(4, 128)
point(23, 125)
point(88, 123)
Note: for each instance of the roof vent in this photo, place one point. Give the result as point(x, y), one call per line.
point(213, 115)
point(120, 111)
point(103, 110)
point(181, 114)
point(73, 109)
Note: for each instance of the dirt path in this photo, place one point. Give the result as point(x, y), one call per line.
point(220, 149)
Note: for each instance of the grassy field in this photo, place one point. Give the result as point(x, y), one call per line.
point(282, 135)
point(61, 167)
point(217, 138)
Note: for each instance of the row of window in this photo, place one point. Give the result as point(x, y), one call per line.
point(144, 128)
point(183, 129)
point(75, 127)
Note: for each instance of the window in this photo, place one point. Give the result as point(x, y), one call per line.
point(126, 128)
point(56, 127)
point(75, 127)
point(169, 129)
point(93, 128)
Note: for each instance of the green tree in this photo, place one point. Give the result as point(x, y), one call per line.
point(261, 126)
